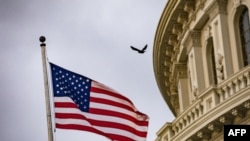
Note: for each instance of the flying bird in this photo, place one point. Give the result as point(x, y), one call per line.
point(140, 50)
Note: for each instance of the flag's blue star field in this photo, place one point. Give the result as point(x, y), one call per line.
point(75, 86)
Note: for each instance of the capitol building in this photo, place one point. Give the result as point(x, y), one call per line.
point(201, 60)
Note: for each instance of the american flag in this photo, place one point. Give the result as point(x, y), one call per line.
point(84, 104)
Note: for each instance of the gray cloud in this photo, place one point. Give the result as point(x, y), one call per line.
point(88, 37)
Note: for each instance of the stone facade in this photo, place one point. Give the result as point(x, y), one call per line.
point(201, 60)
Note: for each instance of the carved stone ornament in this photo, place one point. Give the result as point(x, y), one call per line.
point(226, 119)
point(189, 6)
point(195, 90)
point(222, 6)
point(202, 4)
point(238, 112)
point(204, 135)
point(177, 28)
point(182, 17)
point(247, 105)
point(172, 40)
point(219, 67)
point(196, 37)
point(215, 127)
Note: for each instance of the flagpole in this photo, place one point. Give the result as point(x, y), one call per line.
point(46, 86)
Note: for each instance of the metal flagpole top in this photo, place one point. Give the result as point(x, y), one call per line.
point(46, 86)
point(42, 40)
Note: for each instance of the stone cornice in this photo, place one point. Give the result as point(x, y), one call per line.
point(161, 44)
point(217, 7)
point(217, 124)
point(212, 122)
point(231, 106)
point(172, 26)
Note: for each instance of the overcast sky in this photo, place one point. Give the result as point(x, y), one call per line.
point(89, 37)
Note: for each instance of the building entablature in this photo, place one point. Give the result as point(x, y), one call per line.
point(223, 104)
point(179, 31)
point(194, 128)
point(201, 62)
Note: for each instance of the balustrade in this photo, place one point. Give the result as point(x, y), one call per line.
point(224, 90)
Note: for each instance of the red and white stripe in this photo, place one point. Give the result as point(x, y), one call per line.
point(110, 114)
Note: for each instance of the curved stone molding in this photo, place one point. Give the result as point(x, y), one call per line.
point(202, 109)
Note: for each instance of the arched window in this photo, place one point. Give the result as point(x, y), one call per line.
point(244, 27)
point(211, 62)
